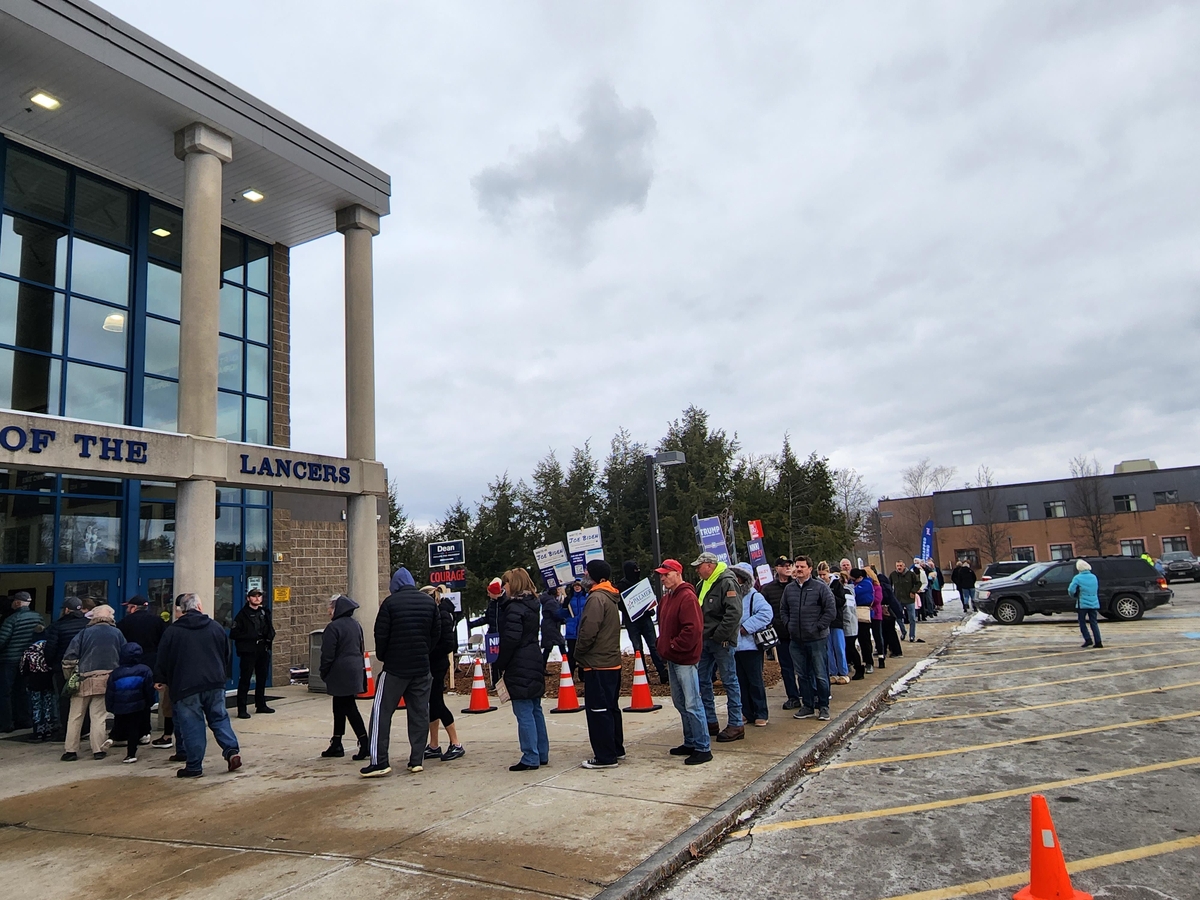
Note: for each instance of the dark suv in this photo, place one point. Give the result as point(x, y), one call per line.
point(1180, 564)
point(1003, 569)
point(1128, 587)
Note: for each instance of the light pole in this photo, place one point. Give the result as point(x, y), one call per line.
point(666, 458)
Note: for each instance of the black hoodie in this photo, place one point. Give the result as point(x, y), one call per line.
point(193, 656)
point(343, 667)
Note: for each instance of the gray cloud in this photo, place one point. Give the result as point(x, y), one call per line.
point(574, 184)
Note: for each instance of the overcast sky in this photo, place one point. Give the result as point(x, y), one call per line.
point(967, 231)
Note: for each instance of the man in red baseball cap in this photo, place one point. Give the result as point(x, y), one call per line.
point(680, 636)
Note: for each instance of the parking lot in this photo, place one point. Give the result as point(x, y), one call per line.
point(930, 798)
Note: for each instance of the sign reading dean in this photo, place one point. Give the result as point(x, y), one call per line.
point(447, 553)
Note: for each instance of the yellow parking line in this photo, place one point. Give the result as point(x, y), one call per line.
point(1102, 658)
point(1015, 709)
point(955, 751)
point(964, 801)
point(1017, 687)
point(1045, 655)
point(1004, 882)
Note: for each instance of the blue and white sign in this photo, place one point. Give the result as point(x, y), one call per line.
point(639, 598)
point(711, 535)
point(584, 545)
point(447, 553)
point(927, 541)
point(551, 561)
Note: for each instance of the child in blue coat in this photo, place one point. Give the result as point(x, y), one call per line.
point(129, 696)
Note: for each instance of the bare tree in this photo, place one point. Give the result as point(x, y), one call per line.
point(991, 531)
point(1092, 518)
point(854, 500)
point(919, 481)
point(924, 478)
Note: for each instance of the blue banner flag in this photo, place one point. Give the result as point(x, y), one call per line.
point(927, 541)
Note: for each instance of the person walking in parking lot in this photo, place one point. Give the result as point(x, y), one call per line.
point(963, 577)
point(1084, 587)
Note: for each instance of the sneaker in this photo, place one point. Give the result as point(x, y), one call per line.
point(263, 710)
point(793, 704)
point(242, 714)
point(823, 715)
point(234, 762)
point(522, 767)
point(594, 764)
point(1086, 644)
point(129, 759)
point(698, 758)
point(374, 771)
point(188, 773)
point(870, 669)
point(144, 740)
point(1098, 646)
point(433, 752)
point(454, 751)
point(858, 676)
point(417, 768)
point(69, 757)
point(682, 750)
point(760, 723)
point(104, 747)
point(805, 713)
point(882, 663)
point(163, 743)
point(101, 754)
point(177, 757)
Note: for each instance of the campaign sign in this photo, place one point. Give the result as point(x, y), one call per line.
point(758, 559)
point(584, 545)
point(756, 531)
point(447, 553)
point(549, 558)
point(491, 648)
point(562, 572)
point(711, 535)
point(455, 600)
point(639, 598)
point(453, 578)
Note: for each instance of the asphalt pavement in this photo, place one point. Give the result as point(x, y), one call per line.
point(929, 799)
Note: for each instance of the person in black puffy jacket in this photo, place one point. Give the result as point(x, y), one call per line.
point(344, 674)
point(407, 628)
point(439, 665)
point(129, 696)
point(520, 665)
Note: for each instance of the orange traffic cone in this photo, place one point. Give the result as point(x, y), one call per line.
point(1048, 878)
point(568, 700)
point(479, 695)
point(370, 691)
point(641, 700)
point(401, 705)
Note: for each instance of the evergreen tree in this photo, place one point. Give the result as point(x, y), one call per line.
point(625, 507)
point(499, 538)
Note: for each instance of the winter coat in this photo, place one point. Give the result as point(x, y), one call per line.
point(96, 649)
point(552, 620)
point(773, 591)
point(145, 629)
point(849, 616)
point(343, 666)
point(598, 641)
point(905, 584)
point(809, 607)
point(756, 615)
point(520, 660)
point(35, 669)
point(448, 641)
point(407, 628)
point(252, 630)
point(963, 577)
point(60, 634)
point(838, 589)
point(721, 603)
point(1084, 587)
point(680, 626)
point(573, 611)
point(131, 684)
point(489, 618)
point(16, 634)
point(193, 656)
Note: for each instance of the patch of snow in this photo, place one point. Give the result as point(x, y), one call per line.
point(914, 673)
point(976, 623)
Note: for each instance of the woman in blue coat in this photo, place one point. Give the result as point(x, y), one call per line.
point(748, 657)
point(1085, 589)
point(572, 606)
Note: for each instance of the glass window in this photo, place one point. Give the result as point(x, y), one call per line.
point(229, 364)
point(258, 326)
point(31, 316)
point(969, 554)
point(229, 495)
point(1166, 497)
point(166, 234)
point(1134, 547)
point(24, 480)
point(1061, 551)
point(160, 404)
point(26, 529)
point(258, 262)
point(105, 487)
point(1059, 574)
point(99, 272)
point(256, 535)
point(29, 383)
point(231, 309)
point(89, 530)
point(94, 393)
point(156, 523)
point(162, 348)
point(36, 186)
point(1175, 544)
point(229, 416)
point(231, 258)
point(256, 498)
point(1018, 512)
point(33, 251)
point(102, 210)
point(961, 517)
point(258, 370)
point(229, 533)
point(1025, 554)
point(1056, 509)
point(1125, 502)
point(256, 422)
point(163, 289)
point(97, 333)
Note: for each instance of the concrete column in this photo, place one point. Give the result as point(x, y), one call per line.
point(203, 151)
point(359, 225)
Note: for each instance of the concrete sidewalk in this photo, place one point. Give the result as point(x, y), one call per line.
point(290, 824)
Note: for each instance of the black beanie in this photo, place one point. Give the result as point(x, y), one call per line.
point(598, 570)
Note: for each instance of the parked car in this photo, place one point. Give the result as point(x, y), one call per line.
point(1128, 587)
point(1180, 564)
point(1004, 569)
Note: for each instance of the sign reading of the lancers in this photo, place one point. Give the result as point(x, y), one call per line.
point(552, 563)
point(639, 598)
point(711, 536)
point(448, 553)
point(584, 545)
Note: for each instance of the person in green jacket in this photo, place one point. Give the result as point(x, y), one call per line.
point(721, 606)
point(16, 634)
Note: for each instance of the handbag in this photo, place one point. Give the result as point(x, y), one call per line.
point(766, 639)
point(863, 613)
point(71, 688)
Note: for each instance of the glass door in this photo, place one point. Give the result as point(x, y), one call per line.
point(229, 594)
point(156, 584)
point(98, 584)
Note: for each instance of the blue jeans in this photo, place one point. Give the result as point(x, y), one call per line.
point(835, 659)
point(191, 713)
point(910, 616)
point(809, 659)
point(967, 595)
point(531, 732)
point(714, 656)
point(1088, 617)
point(685, 694)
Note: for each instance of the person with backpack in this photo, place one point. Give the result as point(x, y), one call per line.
point(440, 660)
point(39, 687)
point(129, 696)
point(16, 634)
point(344, 674)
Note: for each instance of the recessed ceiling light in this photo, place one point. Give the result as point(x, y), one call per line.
point(115, 322)
point(45, 101)
point(253, 196)
point(161, 232)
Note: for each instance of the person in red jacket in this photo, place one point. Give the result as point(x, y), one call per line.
point(680, 637)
